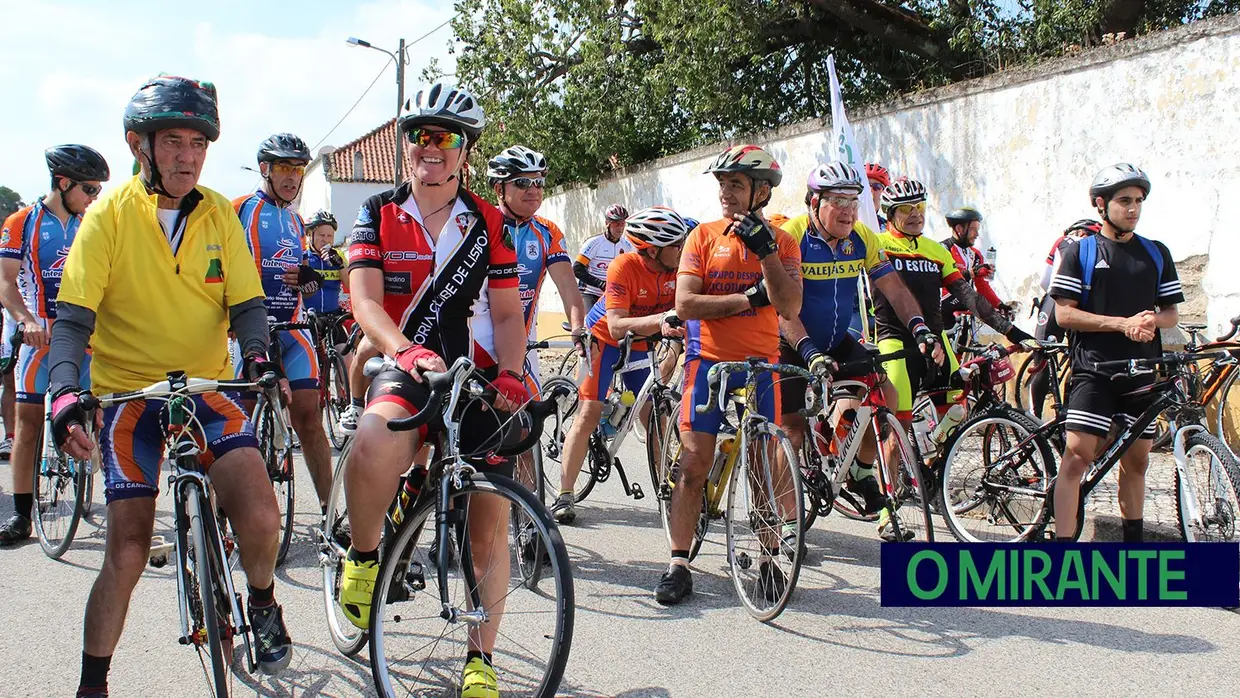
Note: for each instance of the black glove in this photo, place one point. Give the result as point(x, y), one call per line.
point(757, 235)
point(308, 279)
point(256, 365)
point(333, 257)
point(757, 295)
point(1016, 335)
point(925, 339)
point(66, 411)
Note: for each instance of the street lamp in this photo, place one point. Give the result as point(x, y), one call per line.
point(399, 57)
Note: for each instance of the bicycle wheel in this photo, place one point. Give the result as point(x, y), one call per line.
point(553, 459)
point(995, 482)
point(60, 487)
point(205, 623)
point(669, 478)
point(1226, 425)
point(279, 461)
point(338, 400)
point(765, 522)
point(334, 541)
point(414, 651)
point(660, 424)
point(526, 543)
point(904, 483)
point(569, 365)
point(1206, 501)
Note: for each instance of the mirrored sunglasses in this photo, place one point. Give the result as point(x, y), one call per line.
point(444, 140)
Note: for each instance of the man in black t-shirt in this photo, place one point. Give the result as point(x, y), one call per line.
point(1114, 315)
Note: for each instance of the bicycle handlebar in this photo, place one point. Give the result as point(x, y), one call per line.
point(716, 377)
point(1235, 326)
point(193, 386)
point(1132, 367)
point(15, 345)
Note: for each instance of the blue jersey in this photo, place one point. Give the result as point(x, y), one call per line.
point(37, 238)
point(539, 244)
point(327, 298)
point(276, 238)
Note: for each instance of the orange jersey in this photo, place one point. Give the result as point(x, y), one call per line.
point(633, 286)
point(725, 265)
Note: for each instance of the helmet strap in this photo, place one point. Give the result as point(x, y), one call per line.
point(153, 181)
point(1106, 216)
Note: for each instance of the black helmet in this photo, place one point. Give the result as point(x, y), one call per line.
point(321, 218)
point(168, 101)
point(77, 162)
point(963, 216)
point(1112, 179)
point(283, 146)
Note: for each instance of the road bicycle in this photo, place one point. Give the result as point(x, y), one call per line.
point(271, 420)
point(334, 393)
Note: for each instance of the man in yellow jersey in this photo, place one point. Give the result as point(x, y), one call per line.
point(158, 273)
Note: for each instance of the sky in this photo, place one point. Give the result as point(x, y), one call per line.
point(68, 73)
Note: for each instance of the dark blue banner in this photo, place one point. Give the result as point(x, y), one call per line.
point(1062, 574)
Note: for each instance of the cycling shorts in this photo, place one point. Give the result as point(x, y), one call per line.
point(697, 392)
point(297, 356)
point(1095, 401)
point(911, 375)
point(792, 389)
point(132, 440)
point(603, 358)
point(31, 374)
point(6, 349)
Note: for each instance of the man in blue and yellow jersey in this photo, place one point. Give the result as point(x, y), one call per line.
point(836, 248)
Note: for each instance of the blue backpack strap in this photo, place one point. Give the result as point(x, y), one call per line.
point(1087, 253)
point(1156, 255)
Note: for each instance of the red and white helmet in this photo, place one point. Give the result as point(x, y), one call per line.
point(748, 160)
point(616, 212)
point(657, 226)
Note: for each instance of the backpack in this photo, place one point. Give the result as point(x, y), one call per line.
point(1087, 253)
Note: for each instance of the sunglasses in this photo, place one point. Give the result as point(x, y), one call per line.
point(909, 208)
point(877, 186)
point(89, 189)
point(524, 183)
point(284, 169)
point(842, 202)
point(444, 140)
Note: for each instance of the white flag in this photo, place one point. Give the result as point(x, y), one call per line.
point(846, 146)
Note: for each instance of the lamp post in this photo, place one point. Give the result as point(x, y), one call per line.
point(399, 57)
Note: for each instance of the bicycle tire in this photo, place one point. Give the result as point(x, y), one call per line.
point(1218, 496)
point(280, 472)
point(908, 501)
point(991, 498)
point(659, 423)
point(778, 546)
point(348, 638)
point(668, 470)
point(569, 366)
point(338, 398)
point(59, 485)
point(526, 544)
point(217, 676)
point(403, 557)
point(1221, 421)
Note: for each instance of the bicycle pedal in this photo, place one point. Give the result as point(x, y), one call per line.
point(637, 492)
point(158, 555)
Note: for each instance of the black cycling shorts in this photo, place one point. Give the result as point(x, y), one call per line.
point(1095, 401)
point(792, 389)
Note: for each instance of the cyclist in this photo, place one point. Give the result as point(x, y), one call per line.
point(432, 277)
point(966, 225)
point(1114, 307)
point(641, 292)
point(158, 273)
point(878, 179)
point(8, 400)
point(597, 253)
point(275, 234)
point(836, 248)
point(1047, 327)
point(33, 246)
point(735, 275)
point(322, 256)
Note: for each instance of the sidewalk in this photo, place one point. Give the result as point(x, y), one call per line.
point(1161, 523)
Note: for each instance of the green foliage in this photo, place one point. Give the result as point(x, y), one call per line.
point(10, 201)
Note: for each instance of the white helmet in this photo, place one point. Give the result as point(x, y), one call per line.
point(443, 105)
point(901, 192)
point(515, 161)
point(657, 226)
point(835, 176)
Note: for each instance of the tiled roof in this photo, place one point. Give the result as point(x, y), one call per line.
point(376, 160)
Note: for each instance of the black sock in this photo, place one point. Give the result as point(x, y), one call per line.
point(359, 556)
point(94, 674)
point(1134, 530)
point(475, 654)
point(263, 597)
point(358, 402)
point(23, 503)
point(1063, 539)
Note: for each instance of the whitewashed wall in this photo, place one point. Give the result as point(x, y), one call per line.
point(343, 199)
point(1023, 147)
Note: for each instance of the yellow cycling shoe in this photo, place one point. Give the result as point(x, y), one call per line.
point(357, 588)
point(479, 680)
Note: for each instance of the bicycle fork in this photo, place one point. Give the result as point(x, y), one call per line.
point(447, 518)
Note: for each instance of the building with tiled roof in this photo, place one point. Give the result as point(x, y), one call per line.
point(339, 179)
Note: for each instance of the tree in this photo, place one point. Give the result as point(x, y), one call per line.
point(10, 202)
point(601, 84)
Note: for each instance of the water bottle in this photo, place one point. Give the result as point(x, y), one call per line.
point(921, 431)
point(620, 408)
point(991, 255)
point(954, 416)
point(723, 449)
point(410, 486)
point(841, 431)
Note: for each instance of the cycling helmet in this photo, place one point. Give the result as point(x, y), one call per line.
point(321, 218)
point(657, 226)
point(616, 212)
point(443, 105)
point(877, 173)
point(902, 191)
point(514, 162)
point(963, 216)
point(835, 176)
point(690, 223)
point(748, 160)
point(1088, 226)
point(1112, 179)
point(77, 162)
point(168, 101)
point(283, 146)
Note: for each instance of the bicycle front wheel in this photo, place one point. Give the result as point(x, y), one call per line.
point(1206, 501)
point(338, 400)
point(279, 461)
point(903, 481)
point(421, 629)
point(206, 624)
point(60, 491)
point(526, 543)
point(334, 541)
point(765, 522)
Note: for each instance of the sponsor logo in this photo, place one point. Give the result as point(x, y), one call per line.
point(288, 251)
point(402, 217)
point(61, 255)
point(215, 271)
point(408, 256)
point(5, 237)
point(917, 265)
point(642, 293)
point(363, 216)
point(1043, 318)
point(723, 251)
point(531, 249)
point(846, 247)
point(397, 282)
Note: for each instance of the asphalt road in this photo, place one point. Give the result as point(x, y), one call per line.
point(834, 638)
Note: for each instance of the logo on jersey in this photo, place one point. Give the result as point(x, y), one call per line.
point(288, 253)
point(531, 248)
point(5, 237)
point(846, 246)
point(363, 215)
point(215, 271)
point(507, 240)
point(408, 256)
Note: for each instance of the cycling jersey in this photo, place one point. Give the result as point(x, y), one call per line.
point(276, 238)
point(327, 298)
point(37, 238)
point(435, 290)
point(829, 278)
point(156, 311)
point(539, 244)
point(597, 253)
point(725, 265)
point(926, 268)
point(633, 286)
point(970, 262)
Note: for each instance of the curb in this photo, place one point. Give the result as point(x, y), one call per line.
point(1109, 529)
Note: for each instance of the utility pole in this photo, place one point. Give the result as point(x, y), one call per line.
point(400, 103)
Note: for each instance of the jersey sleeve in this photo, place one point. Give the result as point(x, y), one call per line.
point(556, 250)
point(950, 268)
point(1068, 280)
point(620, 287)
point(693, 255)
point(587, 250)
point(789, 253)
point(877, 265)
point(502, 272)
point(365, 248)
point(12, 235)
point(88, 268)
point(241, 277)
point(1169, 290)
